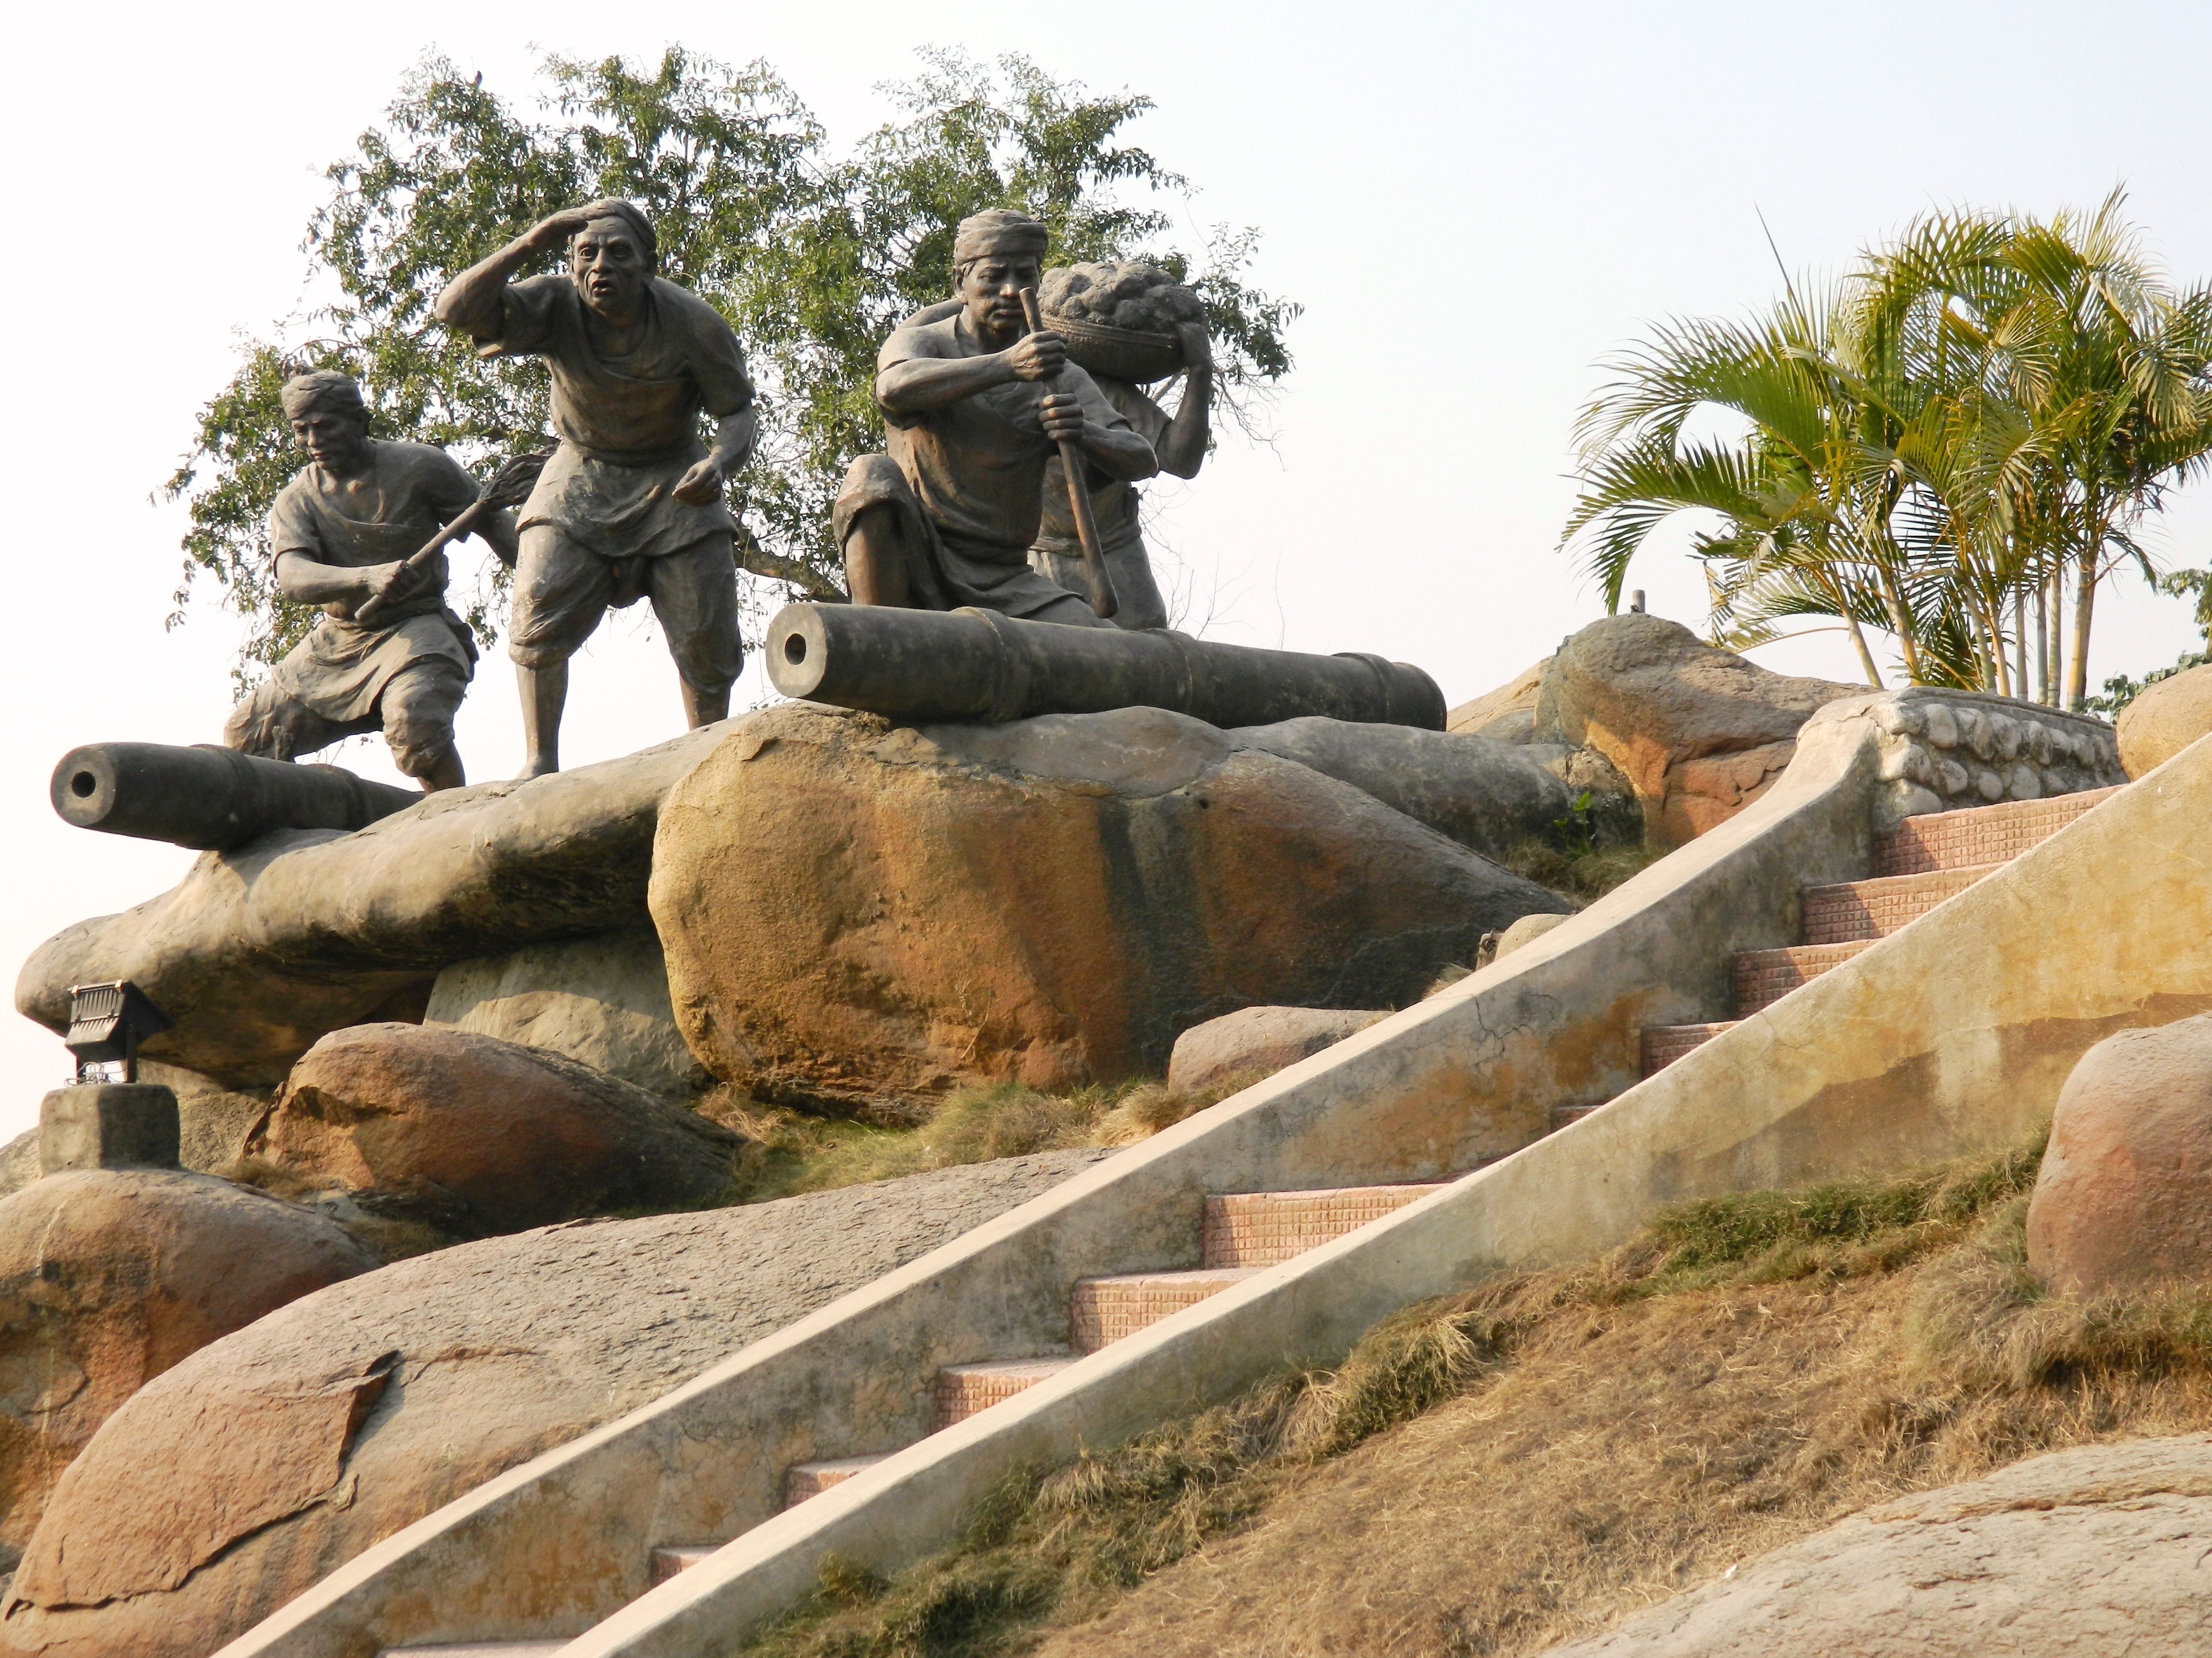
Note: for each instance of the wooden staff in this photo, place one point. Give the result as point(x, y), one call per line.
point(1078, 472)
point(510, 485)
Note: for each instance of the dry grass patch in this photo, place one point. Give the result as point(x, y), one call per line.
point(1580, 875)
point(1536, 1458)
point(791, 1152)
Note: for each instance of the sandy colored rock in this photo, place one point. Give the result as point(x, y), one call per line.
point(110, 1276)
point(475, 1136)
point(258, 952)
point(1506, 714)
point(1486, 795)
point(2125, 1196)
point(363, 1408)
point(602, 1000)
point(2098, 1550)
point(1699, 733)
point(1257, 1042)
point(1526, 930)
point(853, 911)
point(2165, 719)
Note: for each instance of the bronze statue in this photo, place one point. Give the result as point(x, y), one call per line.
point(631, 505)
point(1126, 298)
point(342, 533)
point(974, 405)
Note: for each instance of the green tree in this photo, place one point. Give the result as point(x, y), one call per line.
point(1999, 403)
point(813, 255)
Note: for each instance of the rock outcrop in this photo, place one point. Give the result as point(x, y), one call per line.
point(269, 1459)
point(1699, 733)
point(2124, 1198)
point(2098, 1550)
point(1486, 795)
point(853, 911)
point(258, 952)
point(474, 1136)
point(1508, 713)
point(603, 1000)
point(110, 1276)
point(2165, 719)
point(1257, 1042)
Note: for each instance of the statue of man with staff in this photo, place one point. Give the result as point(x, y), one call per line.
point(346, 533)
point(975, 405)
point(632, 504)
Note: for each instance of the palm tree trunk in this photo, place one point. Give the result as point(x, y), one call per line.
point(2020, 642)
point(2085, 599)
point(2046, 640)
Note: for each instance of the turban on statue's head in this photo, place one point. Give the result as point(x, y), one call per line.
point(322, 392)
point(998, 230)
point(634, 220)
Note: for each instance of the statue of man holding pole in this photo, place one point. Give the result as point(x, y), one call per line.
point(975, 402)
point(354, 532)
point(631, 505)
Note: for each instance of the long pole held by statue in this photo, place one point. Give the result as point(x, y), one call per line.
point(1077, 472)
point(509, 487)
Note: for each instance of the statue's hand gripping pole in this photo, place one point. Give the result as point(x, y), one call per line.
point(1077, 472)
point(510, 485)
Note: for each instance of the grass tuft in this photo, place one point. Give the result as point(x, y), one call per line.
point(1581, 876)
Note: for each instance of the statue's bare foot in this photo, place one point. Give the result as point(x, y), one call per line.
point(537, 768)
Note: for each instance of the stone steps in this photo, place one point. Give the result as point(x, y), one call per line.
point(1108, 1308)
point(805, 1480)
point(479, 1649)
point(1917, 865)
point(965, 1390)
point(1265, 1229)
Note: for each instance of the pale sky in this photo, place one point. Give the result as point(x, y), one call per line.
point(1475, 202)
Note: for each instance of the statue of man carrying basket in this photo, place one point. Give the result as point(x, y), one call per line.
point(1131, 325)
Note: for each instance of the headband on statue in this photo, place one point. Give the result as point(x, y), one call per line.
point(322, 392)
point(1000, 231)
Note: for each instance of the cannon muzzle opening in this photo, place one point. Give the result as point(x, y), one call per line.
point(211, 798)
point(977, 665)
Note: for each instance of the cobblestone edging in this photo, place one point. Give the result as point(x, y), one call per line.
point(1939, 750)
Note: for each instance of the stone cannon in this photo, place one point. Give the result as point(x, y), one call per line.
point(211, 799)
point(958, 666)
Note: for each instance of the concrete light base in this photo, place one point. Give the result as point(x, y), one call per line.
point(108, 1126)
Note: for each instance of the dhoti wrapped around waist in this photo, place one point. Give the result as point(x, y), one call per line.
point(620, 507)
point(341, 668)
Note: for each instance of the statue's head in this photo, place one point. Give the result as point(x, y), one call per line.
point(614, 257)
point(995, 255)
point(329, 419)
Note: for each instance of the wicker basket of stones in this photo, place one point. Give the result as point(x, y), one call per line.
point(1120, 317)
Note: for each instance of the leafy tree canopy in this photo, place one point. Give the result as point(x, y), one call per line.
point(813, 256)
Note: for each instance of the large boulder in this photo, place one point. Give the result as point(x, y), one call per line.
point(1699, 733)
point(853, 912)
point(603, 1000)
point(1257, 1042)
point(2165, 719)
point(258, 952)
point(1484, 794)
point(474, 1136)
point(2125, 1195)
point(109, 1277)
point(1508, 713)
point(269, 1460)
point(2099, 1550)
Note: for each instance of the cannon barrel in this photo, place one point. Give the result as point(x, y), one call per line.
point(211, 798)
point(977, 665)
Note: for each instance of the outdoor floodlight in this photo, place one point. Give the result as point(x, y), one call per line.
point(107, 1023)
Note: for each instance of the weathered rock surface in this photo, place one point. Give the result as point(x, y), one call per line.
point(602, 1000)
point(110, 1276)
point(258, 952)
point(1508, 713)
point(213, 1121)
point(475, 1136)
point(2125, 1195)
point(2093, 1551)
point(2165, 719)
point(1257, 1042)
point(1526, 930)
point(853, 911)
point(1484, 794)
point(1699, 733)
point(269, 1459)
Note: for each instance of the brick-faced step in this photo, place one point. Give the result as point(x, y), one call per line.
point(480, 1649)
point(1263, 1229)
point(1564, 1115)
point(1663, 1044)
point(1977, 834)
point(1108, 1308)
point(1856, 910)
point(1763, 977)
point(679, 1558)
point(805, 1480)
point(964, 1389)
